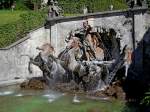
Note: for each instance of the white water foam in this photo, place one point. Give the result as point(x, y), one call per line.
point(51, 100)
point(52, 97)
point(6, 93)
point(19, 95)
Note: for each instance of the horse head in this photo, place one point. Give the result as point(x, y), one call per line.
point(44, 59)
point(46, 49)
point(74, 42)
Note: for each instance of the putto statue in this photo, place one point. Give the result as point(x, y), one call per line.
point(54, 10)
point(136, 3)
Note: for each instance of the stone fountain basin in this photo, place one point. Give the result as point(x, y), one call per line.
point(22, 100)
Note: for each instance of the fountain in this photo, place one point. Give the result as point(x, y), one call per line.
point(91, 60)
point(86, 68)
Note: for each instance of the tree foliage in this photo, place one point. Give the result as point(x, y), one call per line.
point(33, 4)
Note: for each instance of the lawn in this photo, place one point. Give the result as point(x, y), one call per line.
point(7, 16)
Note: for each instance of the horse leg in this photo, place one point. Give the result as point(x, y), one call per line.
point(84, 85)
point(84, 56)
point(29, 67)
point(69, 75)
point(76, 77)
point(46, 77)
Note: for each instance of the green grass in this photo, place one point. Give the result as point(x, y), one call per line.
point(7, 16)
point(15, 25)
point(63, 104)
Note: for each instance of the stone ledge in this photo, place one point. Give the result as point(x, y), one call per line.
point(104, 13)
point(11, 82)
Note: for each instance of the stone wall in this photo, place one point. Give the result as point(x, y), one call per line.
point(129, 25)
point(12, 64)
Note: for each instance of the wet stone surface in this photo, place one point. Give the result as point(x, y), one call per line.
point(114, 90)
point(34, 83)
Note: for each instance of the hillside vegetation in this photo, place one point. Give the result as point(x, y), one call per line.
point(76, 6)
point(27, 15)
point(7, 16)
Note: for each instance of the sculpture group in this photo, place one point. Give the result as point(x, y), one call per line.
point(91, 59)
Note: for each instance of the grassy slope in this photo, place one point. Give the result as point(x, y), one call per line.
point(64, 104)
point(7, 16)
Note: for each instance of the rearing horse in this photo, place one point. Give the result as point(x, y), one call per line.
point(48, 64)
point(79, 71)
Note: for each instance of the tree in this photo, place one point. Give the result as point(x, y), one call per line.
point(33, 4)
point(6, 4)
point(36, 4)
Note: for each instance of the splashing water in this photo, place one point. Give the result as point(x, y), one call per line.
point(6, 93)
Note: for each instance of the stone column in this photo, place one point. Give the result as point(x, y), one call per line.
point(135, 2)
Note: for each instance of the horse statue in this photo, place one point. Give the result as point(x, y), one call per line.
point(59, 69)
point(89, 75)
point(79, 71)
point(83, 60)
point(48, 64)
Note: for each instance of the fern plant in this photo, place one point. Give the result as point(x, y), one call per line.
point(146, 99)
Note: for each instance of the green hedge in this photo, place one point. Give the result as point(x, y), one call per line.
point(76, 6)
point(12, 32)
